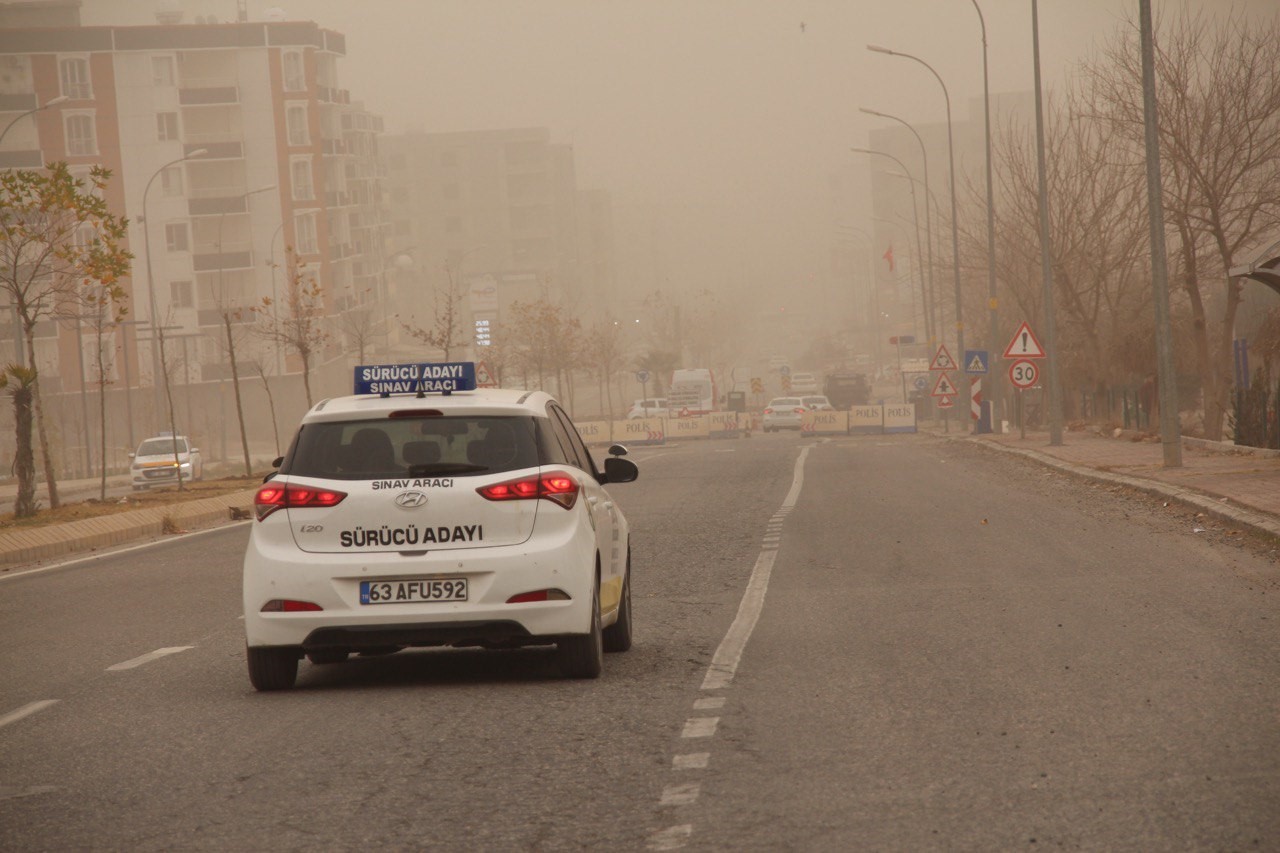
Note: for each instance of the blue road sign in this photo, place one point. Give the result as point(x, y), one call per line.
point(977, 361)
point(785, 370)
point(920, 381)
point(642, 376)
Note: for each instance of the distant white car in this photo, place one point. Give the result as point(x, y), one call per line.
point(652, 407)
point(782, 413)
point(816, 403)
point(164, 459)
point(804, 383)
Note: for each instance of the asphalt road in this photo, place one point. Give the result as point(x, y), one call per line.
point(912, 645)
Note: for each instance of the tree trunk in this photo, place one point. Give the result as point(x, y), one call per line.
point(47, 459)
point(24, 463)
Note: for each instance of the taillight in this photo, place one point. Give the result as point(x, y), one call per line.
point(768, 411)
point(798, 410)
point(555, 486)
point(271, 498)
point(289, 605)
point(539, 595)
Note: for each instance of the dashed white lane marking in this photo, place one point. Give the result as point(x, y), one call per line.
point(671, 838)
point(691, 761)
point(724, 664)
point(700, 727)
point(26, 711)
point(682, 794)
point(148, 657)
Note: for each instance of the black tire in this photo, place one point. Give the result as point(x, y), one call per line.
point(582, 656)
point(273, 668)
point(617, 637)
point(320, 657)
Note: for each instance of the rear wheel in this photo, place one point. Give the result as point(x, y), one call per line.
point(273, 668)
point(582, 656)
point(617, 637)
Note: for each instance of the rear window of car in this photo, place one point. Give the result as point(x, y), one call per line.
point(413, 447)
point(784, 401)
point(157, 446)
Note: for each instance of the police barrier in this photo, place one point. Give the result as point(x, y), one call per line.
point(640, 431)
point(900, 417)
point(693, 427)
point(724, 424)
point(594, 432)
point(866, 420)
point(824, 423)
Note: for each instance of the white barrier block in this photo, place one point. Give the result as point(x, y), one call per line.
point(866, 420)
point(900, 417)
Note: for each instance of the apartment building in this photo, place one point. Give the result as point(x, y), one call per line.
point(501, 212)
point(233, 148)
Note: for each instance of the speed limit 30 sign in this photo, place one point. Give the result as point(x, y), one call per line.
point(1024, 373)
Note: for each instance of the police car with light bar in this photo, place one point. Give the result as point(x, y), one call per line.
point(423, 512)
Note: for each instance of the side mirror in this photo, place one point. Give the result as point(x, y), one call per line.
point(195, 450)
point(277, 462)
point(131, 455)
point(617, 450)
point(619, 470)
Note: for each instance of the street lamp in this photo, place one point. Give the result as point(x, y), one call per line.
point(951, 156)
point(226, 320)
point(915, 212)
point(49, 103)
point(993, 390)
point(157, 355)
point(928, 228)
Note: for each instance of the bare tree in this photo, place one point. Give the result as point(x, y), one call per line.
point(257, 366)
point(20, 382)
point(300, 326)
point(103, 312)
point(357, 325)
point(444, 333)
point(604, 350)
point(1219, 125)
point(57, 235)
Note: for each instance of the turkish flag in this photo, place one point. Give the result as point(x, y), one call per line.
point(888, 256)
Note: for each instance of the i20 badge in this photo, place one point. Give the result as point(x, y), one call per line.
point(409, 500)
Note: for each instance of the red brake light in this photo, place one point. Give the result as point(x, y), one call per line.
point(768, 411)
point(271, 498)
point(555, 486)
point(289, 605)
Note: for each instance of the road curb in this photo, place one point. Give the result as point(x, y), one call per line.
point(1256, 520)
point(20, 547)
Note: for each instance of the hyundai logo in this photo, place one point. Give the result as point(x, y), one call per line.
point(409, 500)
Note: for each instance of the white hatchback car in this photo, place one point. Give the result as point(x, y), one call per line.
point(160, 461)
point(474, 518)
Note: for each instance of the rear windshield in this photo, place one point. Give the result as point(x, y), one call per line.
point(413, 447)
point(157, 446)
point(785, 401)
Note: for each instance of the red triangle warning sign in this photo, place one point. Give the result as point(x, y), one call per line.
point(484, 379)
point(942, 360)
point(943, 387)
point(1024, 344)
point(946, 403)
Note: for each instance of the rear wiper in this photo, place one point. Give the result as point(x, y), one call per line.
point(433, 468)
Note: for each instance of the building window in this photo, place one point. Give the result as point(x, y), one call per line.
point(171, 181)
point(74, 74)
point(176, 237)
point(181, 294)
point(167, 127)
point(295, 79)
point(300, 170)
point(162, 71)
point(306, 228)
point(295, 119)
point(82, 138)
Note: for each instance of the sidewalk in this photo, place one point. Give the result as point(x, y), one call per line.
point(1240, 485)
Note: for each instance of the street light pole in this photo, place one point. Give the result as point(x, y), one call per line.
point(928, 227)
point(226, 320)
point(994, 379)
point(951, 156)
point(1046, 250)
point(158, 356)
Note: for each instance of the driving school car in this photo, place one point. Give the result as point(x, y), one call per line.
point(423, 512)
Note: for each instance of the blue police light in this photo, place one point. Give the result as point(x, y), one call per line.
point(420, 378)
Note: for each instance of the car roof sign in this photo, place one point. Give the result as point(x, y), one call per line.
point(420, 378)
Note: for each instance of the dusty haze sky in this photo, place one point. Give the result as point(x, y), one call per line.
point(733, 114)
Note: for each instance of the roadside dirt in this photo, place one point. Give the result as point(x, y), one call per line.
point(78, 509)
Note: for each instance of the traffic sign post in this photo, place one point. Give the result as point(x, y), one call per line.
point(642, 376)
point(1024, 344)
point(1023, 373)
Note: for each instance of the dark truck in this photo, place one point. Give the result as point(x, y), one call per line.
point(846, 390)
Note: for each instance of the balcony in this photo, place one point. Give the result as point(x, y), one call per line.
point(337, 199)
point(338, 251)
point(17, 103)
point(213, 317)
point(333, 146)
point(233, 256)
point(233, 150)
point(212, 96)
point(21, 159)
point(217, 206)
point(326, 95)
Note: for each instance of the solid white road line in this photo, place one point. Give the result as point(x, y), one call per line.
point(148, 657)
point(26, 711)
point(725, 661)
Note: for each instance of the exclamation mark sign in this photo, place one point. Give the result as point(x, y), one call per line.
point(1024, 342)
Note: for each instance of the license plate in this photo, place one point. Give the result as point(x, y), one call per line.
point(413, 590)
